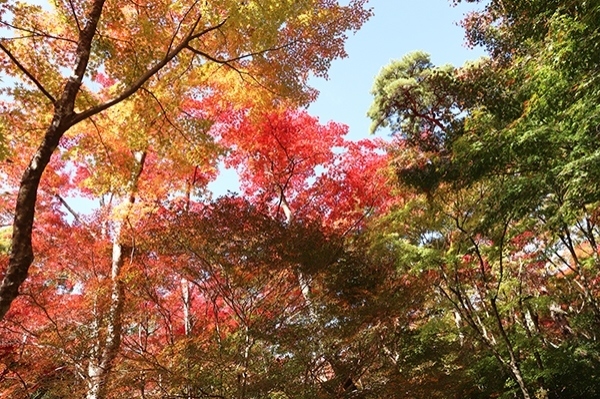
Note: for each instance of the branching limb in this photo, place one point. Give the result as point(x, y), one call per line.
point(22, 68)
point(133, 88)
point(185, 15)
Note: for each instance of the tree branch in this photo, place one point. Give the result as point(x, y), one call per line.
point(21, 253)
point(71, 210)
point(147, 75)
point(179, 25)
point(28, 74)
point(74, 15)
point(238, 58)
point(34, 33)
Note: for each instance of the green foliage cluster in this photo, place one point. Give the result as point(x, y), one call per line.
point(505, 213)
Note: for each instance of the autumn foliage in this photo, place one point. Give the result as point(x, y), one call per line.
point(458, 259)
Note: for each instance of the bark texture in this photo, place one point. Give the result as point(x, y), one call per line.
point(21, 253)
point(104, 352)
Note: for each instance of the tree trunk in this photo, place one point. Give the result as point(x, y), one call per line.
point(65, 117)
point(99, 368)
point(21, 252)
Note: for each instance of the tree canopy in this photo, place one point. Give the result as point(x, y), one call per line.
point(457, 259)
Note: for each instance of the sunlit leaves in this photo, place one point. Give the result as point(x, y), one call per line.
point(508, 210)
point(301, 168)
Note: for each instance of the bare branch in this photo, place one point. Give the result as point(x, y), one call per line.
point(166, 116)
point(164, 112)
point(71, 210)
point(98, 133)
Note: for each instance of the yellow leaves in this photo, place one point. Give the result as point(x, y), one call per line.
point(304, 19)
point(263, 51)
point(128, 13)
point(5, 238)
point(129, 214)
point(241, 93)
point(40, 39)
point(3, 133)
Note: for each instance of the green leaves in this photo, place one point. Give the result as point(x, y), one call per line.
point(510, 176)
point(412, 98)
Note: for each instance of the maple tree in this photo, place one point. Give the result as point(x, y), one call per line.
point(473, 274)
point(143, 156)
point(142, 47)
point(245, 310)
point(303, 170)
point(132, 128)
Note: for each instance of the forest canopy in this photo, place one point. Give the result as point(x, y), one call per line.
point(457, 259)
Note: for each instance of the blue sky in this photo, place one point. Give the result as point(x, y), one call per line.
point(397, 28)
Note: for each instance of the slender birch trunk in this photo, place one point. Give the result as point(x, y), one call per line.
point(105, 351)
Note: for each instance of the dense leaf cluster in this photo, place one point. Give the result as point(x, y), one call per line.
point(459, 260)
point(509, 216)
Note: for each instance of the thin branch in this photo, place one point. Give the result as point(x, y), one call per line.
point(27, 73)
point(71, 210)
point(34, 33)
point(15, 38)
point(74, 15)
point(106, 149)
point(501, 258)
point(241, 73)
point(179, 25)
point(165, 115)
point(240, 57)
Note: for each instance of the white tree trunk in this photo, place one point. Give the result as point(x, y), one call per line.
point(105, 351)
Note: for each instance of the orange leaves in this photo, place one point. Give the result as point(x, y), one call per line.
point(278, 152)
